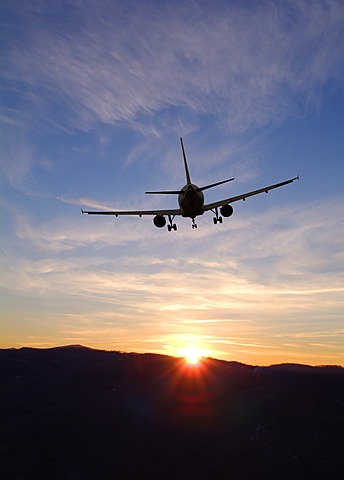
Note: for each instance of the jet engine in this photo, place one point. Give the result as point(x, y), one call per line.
point(226, 210)
point(159, 221)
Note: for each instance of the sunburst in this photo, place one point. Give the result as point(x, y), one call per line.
point(192, 355)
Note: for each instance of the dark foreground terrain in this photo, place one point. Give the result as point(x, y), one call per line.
point(76, 413)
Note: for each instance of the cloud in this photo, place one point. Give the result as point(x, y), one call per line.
point(85, 202)
point(16, 161)
point(20, 160)
point(131, 62)
point(133, 266)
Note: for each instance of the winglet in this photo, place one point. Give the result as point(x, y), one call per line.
point(188, 180)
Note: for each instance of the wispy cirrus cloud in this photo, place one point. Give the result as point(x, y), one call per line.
point(16, 161)
point(115, 62)
point(85, 202)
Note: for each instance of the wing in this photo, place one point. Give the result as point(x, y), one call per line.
point(134, 212)
point(220, 203)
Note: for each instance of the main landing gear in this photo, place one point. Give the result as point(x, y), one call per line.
point(171, 226)
point(194, 225)
point(217, 218)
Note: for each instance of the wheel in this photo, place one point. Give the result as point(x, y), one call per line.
point(169, 228)
point(215, 220)
point(220, 219)
point(174, 227)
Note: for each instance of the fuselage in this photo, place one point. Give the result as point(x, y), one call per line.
point(191, 201)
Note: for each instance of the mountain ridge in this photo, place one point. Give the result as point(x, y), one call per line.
point(283, 365)
point(79, 413)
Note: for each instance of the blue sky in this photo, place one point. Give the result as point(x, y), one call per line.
point(95, 96)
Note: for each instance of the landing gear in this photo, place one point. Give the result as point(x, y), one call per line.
point(171, 226)
point(217, 218)
point(194, 225)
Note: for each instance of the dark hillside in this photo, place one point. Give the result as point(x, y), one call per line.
point(78, 413)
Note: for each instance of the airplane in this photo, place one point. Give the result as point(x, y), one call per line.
point(191, 202)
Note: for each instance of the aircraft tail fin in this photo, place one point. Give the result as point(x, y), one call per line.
point(188, 180)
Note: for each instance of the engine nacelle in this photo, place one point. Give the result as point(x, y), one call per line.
point(159, 221)
point(226, 210)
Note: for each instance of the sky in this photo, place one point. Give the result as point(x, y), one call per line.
point(94, 97)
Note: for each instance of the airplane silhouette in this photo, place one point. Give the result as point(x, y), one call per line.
point(191, 202)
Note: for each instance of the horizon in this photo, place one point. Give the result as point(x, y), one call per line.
point(95, 97)
point(191, 364)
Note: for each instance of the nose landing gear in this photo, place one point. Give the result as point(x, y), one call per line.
point(194, 225)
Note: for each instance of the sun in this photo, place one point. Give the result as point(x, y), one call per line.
point(192, 356)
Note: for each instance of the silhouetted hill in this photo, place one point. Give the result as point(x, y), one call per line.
point(77, 413)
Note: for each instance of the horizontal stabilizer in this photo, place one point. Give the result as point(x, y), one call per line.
point(214, 185)
point(163, 192)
